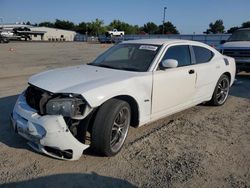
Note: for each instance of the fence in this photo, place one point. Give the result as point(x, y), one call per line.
point(210, 39)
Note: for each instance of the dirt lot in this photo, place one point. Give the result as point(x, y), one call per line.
point(200, 147)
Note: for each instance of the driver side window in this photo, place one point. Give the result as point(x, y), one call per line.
point(181, 53)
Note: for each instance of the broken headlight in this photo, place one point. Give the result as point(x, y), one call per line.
point(67, 107)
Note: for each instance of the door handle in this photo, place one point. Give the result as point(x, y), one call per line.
point(191, 71)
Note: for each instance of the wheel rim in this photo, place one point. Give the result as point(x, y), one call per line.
point(120, 129)
point(222, 91)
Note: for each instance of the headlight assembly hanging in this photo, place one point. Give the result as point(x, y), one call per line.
point(67, 107)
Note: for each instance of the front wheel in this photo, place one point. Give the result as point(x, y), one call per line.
point(221, 91)
point(110, 127)
point(6, 41)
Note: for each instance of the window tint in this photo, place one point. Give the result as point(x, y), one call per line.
point(240, 35)
point(180, 53)
point(120, 54)
point(131, 57)
point(202, 55)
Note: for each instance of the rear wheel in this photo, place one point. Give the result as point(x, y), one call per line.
point(110, 127)
point(221, 91)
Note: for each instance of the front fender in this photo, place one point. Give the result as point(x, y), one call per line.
point(139, 88)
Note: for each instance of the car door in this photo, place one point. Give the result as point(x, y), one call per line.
point(207, 73)
point(173, 88)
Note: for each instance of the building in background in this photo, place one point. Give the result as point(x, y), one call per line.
point(52, 34)
point(27, 32)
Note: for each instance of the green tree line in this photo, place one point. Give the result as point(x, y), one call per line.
point(218, 27)
point(97, 27)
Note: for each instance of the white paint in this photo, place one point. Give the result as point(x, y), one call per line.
point(236, 44)
point(57, 133)
point(53, 34)
point(158, 93)
point(115, 32)
point(148, 47)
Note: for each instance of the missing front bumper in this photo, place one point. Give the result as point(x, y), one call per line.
point(46, 134)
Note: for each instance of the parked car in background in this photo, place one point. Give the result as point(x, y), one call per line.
point(115, 32)
point(109, 39)
point(238, 47)
point(3, 39)
point(7, 34)
point(66, 110)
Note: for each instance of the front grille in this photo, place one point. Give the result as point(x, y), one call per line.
point(237, 53)
point(34, 96)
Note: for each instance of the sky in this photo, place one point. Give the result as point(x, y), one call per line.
point(188, 16)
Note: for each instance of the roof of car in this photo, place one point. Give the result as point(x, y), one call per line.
point(157, 41)
point(169, 42)
point(244, 29)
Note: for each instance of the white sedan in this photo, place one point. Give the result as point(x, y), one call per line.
point(66, 110)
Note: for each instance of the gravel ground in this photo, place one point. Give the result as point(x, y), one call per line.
point(201, 147)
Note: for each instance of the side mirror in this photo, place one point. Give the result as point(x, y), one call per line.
point(222, 41)
point(169, 63)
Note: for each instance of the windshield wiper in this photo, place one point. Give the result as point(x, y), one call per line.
point(103, 65)
point(129, 69)
point(107, 66)
point(237, 40)
point(111, 67)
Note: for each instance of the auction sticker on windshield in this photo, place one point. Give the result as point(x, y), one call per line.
point(148, 47)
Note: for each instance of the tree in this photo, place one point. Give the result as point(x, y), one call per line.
point(150, 28)
point(123, 26)
point(96, 27)
point(116, 24)
point(62, 24)
point(232, 29)
point(81, 28)
point(28, 23)
point(169, 28)
point(216, 27)
point(246, 24)
point(132, 29)
point(46, 24)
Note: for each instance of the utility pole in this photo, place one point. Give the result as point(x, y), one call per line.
point(163, 22)
point(86, 33)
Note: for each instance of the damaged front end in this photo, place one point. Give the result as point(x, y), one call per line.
point(55, 124)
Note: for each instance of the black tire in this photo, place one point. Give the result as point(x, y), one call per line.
point(221, 91)
point(6, 41)
point(110, 127)
point(237, 70)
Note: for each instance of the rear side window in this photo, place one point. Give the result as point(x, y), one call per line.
point(180, 53)
point(202, 55)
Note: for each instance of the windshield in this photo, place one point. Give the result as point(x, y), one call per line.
point(131, 57)
point(240, 35)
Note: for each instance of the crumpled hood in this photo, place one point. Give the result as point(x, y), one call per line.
point(78, 79)
point(237, 44)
